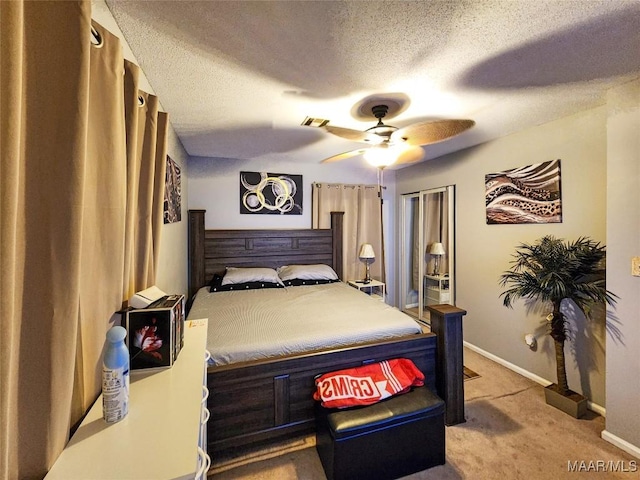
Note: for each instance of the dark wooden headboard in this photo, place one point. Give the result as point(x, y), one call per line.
point(211, 251)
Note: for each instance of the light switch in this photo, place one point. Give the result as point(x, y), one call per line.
point(635, 266)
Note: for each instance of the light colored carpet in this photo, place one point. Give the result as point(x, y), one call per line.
point(510, 434)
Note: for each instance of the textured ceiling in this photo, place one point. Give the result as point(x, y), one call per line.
point(238, 77)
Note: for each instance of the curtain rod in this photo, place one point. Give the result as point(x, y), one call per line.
point(344, 185)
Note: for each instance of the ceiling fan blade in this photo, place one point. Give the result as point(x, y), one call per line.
point(410, 155)
point(424, 133)
point(348, 133)
point(344, 156)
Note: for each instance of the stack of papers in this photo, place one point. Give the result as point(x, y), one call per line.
point(146, 297)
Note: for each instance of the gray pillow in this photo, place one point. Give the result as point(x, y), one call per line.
point(317, 271)
point(236, 275)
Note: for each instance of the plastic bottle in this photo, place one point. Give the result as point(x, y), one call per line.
point(115, 376)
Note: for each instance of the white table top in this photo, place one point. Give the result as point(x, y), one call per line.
point(360, 283)
point(158, 439)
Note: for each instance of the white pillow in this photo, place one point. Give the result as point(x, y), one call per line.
point(307, 272)
point(235, 275)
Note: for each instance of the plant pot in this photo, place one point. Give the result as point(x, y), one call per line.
point(572, 403)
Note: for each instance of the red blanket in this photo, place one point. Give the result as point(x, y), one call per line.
point(367, 384)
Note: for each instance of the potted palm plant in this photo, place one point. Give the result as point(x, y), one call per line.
point(550, 271)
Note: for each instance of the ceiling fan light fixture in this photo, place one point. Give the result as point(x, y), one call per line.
point(374, 139)
point(381, 155)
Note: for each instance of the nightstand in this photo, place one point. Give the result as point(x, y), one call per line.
point(436, 289)
point(374, 288)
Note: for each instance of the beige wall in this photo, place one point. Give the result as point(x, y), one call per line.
point(172, 267)
point(623, 233)
point(484, 251)
point(215, 186)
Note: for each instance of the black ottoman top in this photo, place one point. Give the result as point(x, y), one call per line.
point(419, 402)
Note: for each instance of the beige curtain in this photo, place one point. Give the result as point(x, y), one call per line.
point(146, 139)
point(65, 218)
point(362, 209)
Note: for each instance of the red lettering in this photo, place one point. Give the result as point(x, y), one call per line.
point(346, 386)
point(340, 386)
point(357, 391)
point(326, 389)
point(367, 387)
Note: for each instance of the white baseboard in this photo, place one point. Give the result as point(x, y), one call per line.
point(599, 409)
point(620, 443)
point(594, 407)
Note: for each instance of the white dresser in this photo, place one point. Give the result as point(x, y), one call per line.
point(164, 434)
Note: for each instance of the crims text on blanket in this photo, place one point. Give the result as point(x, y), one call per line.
point(346, 386)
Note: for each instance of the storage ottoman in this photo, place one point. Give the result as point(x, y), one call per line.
point(386, 440)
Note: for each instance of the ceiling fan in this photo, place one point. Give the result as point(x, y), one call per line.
point(389, 144)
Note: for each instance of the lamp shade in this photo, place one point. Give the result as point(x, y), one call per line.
point(366, 251)
point(437, 249)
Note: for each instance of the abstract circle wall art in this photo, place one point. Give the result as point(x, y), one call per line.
point(270, 193)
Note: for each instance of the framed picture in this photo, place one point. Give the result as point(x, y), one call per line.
point(172, 203)
point(155, 335)
point(528, 194)
point(270, 193)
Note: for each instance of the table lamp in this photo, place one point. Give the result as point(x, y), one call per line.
point(437, 250)
point(367, 256)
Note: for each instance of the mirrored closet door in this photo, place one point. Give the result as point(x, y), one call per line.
point(427, 251)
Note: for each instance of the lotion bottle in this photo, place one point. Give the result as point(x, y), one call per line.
point(115, 376)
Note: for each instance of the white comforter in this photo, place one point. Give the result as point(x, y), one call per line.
point(258, 324)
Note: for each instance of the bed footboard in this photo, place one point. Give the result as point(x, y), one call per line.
point(252, 402)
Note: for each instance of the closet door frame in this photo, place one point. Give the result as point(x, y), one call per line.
point(405, 255)
point(405, 250)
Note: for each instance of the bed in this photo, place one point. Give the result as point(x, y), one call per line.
point(263, 323)
point(258, 397)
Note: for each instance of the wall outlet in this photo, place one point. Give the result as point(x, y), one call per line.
point(635, 266)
